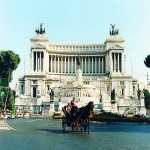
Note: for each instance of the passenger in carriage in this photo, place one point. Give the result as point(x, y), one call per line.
point(68, 108)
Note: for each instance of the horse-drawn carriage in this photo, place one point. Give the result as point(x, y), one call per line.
point(78, 117)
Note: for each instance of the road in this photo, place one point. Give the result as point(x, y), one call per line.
point(43, 133)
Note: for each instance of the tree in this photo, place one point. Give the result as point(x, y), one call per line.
point(146, 98)
point(147, 61)
point(139, 93)
point(10, 105)
point(9, 62)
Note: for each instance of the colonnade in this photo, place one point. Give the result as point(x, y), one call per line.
point(68, 64)
point(37, 61)
point(117, 60)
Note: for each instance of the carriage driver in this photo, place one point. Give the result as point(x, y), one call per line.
point(73, 102)
point(73, 107)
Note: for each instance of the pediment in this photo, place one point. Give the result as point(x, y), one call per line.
point(38, 45)
point(116, 47)
point(79, 86)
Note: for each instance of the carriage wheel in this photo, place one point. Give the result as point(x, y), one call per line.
point(63, 125)
point(72, 125)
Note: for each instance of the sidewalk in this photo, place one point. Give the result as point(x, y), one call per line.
point(3, 125)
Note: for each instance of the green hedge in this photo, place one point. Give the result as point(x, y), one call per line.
point(109, 117)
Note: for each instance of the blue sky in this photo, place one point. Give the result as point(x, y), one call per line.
point(77, 22)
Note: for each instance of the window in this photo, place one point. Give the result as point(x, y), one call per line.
point(108, 88)
point(34, 91)
point(121, 82)
point(86, 82)
point(34, 81)
point(22, 89)
point(121, 92)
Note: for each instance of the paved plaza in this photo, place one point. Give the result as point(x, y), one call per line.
point(44, 133)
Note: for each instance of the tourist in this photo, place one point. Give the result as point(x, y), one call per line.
point(68, 108)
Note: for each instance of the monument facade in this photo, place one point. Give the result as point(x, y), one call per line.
point(88, 72)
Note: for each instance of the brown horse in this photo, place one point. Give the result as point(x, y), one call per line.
point(83, 117)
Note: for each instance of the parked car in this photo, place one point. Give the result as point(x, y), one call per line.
point(8, 116)
point(26, 115)
point(19, 115)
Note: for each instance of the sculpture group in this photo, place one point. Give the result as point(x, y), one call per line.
point(41, 30)
point(114, 31)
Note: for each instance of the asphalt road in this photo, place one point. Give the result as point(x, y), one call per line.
point(43, 133)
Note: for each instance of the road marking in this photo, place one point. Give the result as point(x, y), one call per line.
point(8, 126)
point(34, 120)
point(3, 126)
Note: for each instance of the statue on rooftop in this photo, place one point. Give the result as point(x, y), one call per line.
point(41, 30)
point(113, 31)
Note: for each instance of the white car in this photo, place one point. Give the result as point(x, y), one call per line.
point(8, 116)
point(26, 115)
point(19, 115)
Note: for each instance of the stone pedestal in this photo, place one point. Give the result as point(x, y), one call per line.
point(52, 109)
point(60, 107)
point(79, 75)
point(113, 106)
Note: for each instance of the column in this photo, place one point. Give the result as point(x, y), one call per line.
point(92, 64)
point(51, 63)
point(55, 64)
point(32, 61)
point(58, 63)
point(118, 61)
point(85, 63)
point(75, 63)
point(72, 64)
point(68, 64)
point(114, 62)
point(36, 61)
point(123, 70)
point(99, 65)
point(39, 61)
point(95, 59)
point(44, 61)
point(82, 62)
point(102, 64)
point(111, 61)
point(89, 65)
point(61, 64)
point(65, 65)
